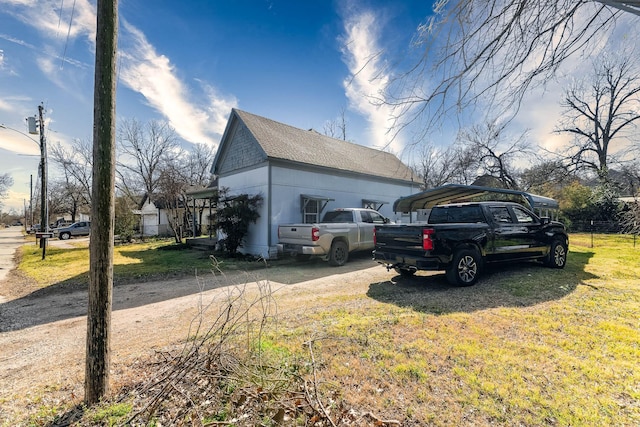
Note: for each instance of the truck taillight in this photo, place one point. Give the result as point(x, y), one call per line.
point(427, 242)
point(315, 234)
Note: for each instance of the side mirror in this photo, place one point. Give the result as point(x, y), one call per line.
point(545, 220)
point(387, 220)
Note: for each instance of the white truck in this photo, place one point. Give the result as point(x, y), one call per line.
point(340, 232)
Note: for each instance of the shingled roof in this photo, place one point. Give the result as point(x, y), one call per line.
point(283, 142)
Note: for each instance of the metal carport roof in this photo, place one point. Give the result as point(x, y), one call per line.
point(455, 193)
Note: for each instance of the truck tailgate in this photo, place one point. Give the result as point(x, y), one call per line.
point(295, 233)
point(399, 237)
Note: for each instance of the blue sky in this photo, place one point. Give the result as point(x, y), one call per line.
point(190, 62)
point(300, 62)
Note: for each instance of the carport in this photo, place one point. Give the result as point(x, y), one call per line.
point(458, 193)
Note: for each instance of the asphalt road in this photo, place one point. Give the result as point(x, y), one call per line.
point(10, 239)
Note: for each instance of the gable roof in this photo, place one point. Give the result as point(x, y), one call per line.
point(308, 147)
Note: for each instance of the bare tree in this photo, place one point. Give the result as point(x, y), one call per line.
point(171, 191)
point(439, 166)
point(494, 50)
point(65, 198)
point(337, 128)
point(73, 191)
point(179, 173)
point(143, 149)
point(495, 157)
point(199, 161)
point(600, 111)
point(546, 177)
point(6, 181)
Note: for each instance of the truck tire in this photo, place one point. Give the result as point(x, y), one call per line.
point(465, 268)
point(557, 256)
point(339, 254)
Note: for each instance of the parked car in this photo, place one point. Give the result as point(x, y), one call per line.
point(340, 232)
point(461, 238)
point(81, 228)
point(34, 228)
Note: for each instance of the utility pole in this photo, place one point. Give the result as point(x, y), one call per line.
point(30, 201)
point(102, 206)
point(44, 205)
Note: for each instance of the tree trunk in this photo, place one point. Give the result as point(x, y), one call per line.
point(103, 205)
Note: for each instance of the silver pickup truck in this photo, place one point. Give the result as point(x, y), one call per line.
point(340, 232)
point(82, 228)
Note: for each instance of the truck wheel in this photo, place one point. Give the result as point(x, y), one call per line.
point(405, 272)
point(557, 256)
point(65, 236)
point(464, 268)
point(338, 254)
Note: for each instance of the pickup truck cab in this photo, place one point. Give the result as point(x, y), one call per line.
point(340, 232)
point(81, 228)
point(461, 238)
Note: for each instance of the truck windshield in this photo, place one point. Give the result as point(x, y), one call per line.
point(456, 214)
point(338, 216)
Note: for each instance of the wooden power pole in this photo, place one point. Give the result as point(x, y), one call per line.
point(103, 205)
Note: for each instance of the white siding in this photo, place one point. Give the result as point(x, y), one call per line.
point(283, 203)
point(252, 182)
point(348, 192)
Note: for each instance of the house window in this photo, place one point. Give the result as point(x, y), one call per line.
point(372, 204)
point(312, 207)
point(311, 212)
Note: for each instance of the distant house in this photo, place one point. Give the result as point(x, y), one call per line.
point(153, 218)
point(301, 173)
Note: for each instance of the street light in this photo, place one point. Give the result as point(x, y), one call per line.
point(44, 207)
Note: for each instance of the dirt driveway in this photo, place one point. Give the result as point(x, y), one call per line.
point(42, 332)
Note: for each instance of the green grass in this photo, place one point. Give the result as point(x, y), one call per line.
point(154, 259)
point(526, 346)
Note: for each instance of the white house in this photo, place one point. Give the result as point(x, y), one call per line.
point(301, 173)
point(153, 219)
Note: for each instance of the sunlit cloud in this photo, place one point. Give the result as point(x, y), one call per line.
point(367, 78)
point(154, 76)
point(196, 117)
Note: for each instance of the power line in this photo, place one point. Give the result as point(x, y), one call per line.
point(66, 43)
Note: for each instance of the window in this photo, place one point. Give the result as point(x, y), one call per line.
point(338, 216)
point(500, 215)
point(311, 212)
point(456, 214)
point(376, 218)
point(523, 216)
point(312, 207)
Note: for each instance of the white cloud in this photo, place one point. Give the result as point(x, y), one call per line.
point(152, 74)
point(367, 80)
point(141, 68)
point(57, 21)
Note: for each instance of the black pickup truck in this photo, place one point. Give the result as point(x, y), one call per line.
point(461, 238)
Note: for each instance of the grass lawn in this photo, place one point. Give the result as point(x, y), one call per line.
point(527, 345)
point(153, 259)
